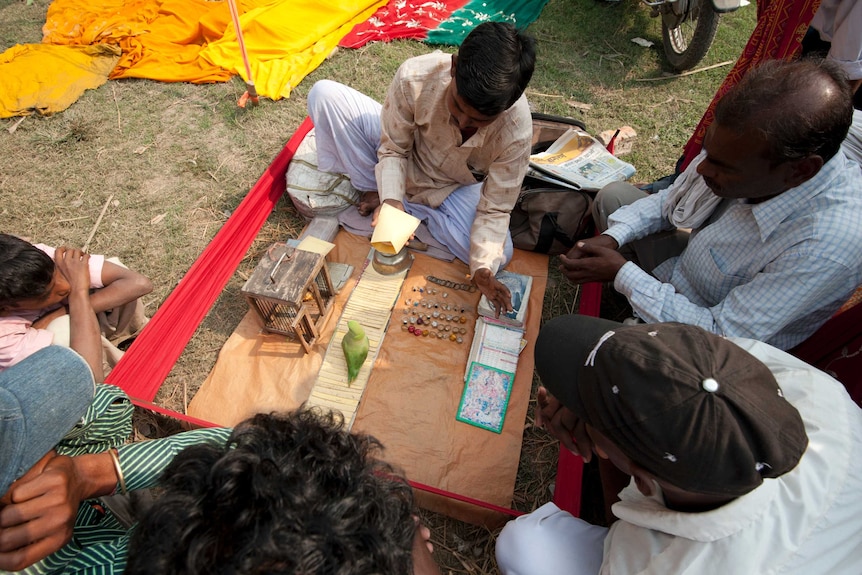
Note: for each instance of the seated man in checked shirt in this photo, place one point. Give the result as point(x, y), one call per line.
point(446, 118)
point(774, 208)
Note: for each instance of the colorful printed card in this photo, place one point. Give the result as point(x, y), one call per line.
point(486, 397)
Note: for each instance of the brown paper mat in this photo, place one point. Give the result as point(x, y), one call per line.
point(412, 394)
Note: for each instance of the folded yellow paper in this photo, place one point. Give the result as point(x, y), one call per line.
point(393, 230)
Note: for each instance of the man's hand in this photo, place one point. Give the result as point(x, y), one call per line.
point(368, 203)
point(393, 203)
point(592, 260)
point(498, 294)
point(85, 335)
point(75, 266)
point(38, 512)
point(560, 422)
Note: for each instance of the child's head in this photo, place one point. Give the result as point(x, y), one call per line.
point(28, 277)
point(493, 66)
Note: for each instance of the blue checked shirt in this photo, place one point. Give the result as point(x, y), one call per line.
point(773, 271)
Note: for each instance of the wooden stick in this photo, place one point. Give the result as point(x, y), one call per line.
point(96, 226)
point(532, 93)
point(689, 73)
point(11, 129)
point(117, 105)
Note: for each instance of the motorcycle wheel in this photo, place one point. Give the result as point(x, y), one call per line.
point(687, 39)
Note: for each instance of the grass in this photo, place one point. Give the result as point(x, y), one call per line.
point(176, 159)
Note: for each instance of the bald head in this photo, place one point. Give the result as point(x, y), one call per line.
point(801, 108)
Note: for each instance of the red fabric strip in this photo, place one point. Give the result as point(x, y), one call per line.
point(149, 360)
point(465, 499)
point(570, 467)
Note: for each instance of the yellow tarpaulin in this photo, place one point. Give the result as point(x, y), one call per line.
point(48, 79)
point(194, 40)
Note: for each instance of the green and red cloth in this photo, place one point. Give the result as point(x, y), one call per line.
point(440, 21)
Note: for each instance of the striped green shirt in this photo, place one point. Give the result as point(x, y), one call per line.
point(99, 542)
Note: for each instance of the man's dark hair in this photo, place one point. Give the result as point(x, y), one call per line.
point(495, 64)
point(286, 494)
point(802, 108)
point(25, 270)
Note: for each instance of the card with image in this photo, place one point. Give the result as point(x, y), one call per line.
point(486, 397)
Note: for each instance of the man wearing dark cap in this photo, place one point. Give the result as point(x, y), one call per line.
point(743, 459)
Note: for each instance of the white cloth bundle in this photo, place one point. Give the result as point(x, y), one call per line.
point(690, 202)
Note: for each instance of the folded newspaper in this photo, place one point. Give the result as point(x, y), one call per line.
point(579, 161)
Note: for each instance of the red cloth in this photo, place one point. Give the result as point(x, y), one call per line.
point(781, 25)
point(401, 20)
point(143, 368)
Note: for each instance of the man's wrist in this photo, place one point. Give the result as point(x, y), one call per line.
point(97, 474)
point(481, 274)
point(612, 237)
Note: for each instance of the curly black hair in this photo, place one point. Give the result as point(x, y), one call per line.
point(495, 63)
point(287, 494)
point(25, 270)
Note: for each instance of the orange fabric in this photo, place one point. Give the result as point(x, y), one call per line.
point(781, 25)
point(195, 41)
point(159, 40)
point(49, 79)
point(854, 300)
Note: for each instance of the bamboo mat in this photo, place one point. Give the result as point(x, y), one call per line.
point(370, 304)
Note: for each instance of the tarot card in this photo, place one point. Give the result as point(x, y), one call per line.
point(486, 397)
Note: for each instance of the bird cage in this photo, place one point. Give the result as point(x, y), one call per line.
point(291, 291)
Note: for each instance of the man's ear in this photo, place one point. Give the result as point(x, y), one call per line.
point(643, 479)
point(802, 170)
point(452, 68)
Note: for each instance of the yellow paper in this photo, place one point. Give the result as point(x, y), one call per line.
point(315, 245)
point(393, 230)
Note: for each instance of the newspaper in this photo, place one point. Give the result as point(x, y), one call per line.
point(579, 160)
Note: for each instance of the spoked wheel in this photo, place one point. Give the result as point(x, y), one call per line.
point(687, 28)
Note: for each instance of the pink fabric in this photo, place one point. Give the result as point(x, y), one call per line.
point(18, 340)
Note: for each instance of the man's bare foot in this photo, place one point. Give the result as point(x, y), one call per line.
point(368, 203)
point(423, 562)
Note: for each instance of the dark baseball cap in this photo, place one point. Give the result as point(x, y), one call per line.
point(690, 407)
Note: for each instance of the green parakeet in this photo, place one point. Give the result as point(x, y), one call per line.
point(355, 346)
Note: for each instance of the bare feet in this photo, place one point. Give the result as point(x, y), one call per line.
point(368, 203)
point(423, 562)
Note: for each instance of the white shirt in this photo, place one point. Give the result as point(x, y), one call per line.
point(806, 522)
point(840, 22)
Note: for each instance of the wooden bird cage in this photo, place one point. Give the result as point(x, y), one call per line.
point(292, 292)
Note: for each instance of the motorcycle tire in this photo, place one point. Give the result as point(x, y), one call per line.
point(689, 41)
